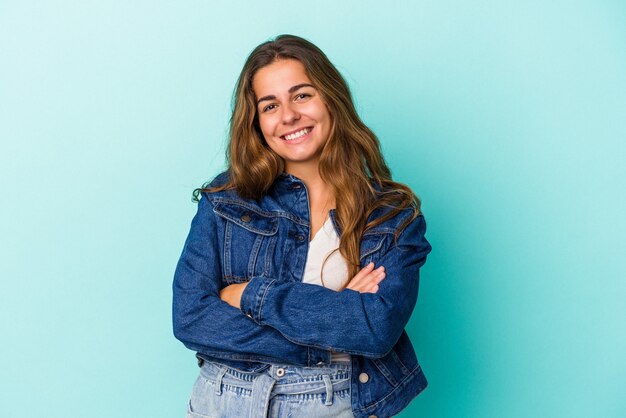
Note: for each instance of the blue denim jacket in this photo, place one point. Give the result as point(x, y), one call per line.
point(283, 320)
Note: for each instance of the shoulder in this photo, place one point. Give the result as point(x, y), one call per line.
point(220, 193)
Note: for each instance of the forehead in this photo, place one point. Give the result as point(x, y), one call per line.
point(278, 77)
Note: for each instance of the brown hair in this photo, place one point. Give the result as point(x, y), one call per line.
point(350, 162)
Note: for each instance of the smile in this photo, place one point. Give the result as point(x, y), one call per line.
point(297, 134)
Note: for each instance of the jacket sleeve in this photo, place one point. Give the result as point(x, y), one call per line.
point(367, 324)
point(204, 323)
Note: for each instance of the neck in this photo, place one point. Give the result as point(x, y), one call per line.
point(307, 172)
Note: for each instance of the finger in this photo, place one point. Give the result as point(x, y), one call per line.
point(365, 281)
point(370, 289)
point(361, 274)
point(369, 283)
point(374, 275)
point(373, 282)
point(380, 277)
point(364, 271)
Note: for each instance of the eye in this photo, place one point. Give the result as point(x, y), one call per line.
point(302, 96)
point(268, 108)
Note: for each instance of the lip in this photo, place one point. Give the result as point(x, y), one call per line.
point(296, 130)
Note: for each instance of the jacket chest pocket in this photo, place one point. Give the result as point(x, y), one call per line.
point(249, 241)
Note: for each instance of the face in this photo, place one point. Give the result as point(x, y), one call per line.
point(293, 118)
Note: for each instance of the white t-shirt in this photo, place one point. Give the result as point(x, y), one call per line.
point(325, 245)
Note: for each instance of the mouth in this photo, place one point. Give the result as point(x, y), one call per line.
point(297, 134)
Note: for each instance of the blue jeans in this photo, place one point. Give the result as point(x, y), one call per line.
point(276, 391)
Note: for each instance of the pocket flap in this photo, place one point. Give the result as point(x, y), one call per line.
point(247, 218)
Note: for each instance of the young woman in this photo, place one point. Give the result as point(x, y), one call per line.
point(301, 267)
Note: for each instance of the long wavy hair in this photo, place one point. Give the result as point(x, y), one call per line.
point(351, 161)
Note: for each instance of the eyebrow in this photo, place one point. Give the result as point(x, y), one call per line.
point(291, 90)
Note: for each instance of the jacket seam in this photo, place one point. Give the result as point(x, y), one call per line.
point(376, 248)
point(351, 352)
point(263, 299)
point(401, 364)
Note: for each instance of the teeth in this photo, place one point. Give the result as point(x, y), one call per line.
point(298, 134)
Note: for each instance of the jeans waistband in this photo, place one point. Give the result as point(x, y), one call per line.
point(279, 379)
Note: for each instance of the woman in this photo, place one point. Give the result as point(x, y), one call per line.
point(300, 270)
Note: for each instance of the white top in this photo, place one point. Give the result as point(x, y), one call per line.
point(325, 245)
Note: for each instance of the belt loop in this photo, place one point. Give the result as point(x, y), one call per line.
point(218, 381)
point(329, 390)
point(261, 393)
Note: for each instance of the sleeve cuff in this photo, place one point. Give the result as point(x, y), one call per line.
point(252, 297)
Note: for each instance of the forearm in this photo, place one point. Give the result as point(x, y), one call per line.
point(205, 323)
point(208, 325)
point(351, 322)
point(367, 324)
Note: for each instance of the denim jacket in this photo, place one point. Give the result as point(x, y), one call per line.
point(283, 320)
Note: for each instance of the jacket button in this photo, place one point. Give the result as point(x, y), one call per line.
point(300, 237)
point(372, 416)
point(364, 378)
point(246, 218)
point(280, 372)
point(320, 364)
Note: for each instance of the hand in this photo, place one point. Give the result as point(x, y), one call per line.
point(366, 280)
point(231, 294)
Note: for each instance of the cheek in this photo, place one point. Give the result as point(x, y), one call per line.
point(322, 114)
point(267, 126)
point(324, 118)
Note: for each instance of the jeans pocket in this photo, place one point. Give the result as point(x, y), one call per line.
point(193, 414)
point(197, 405)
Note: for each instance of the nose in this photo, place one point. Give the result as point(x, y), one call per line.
point(290, 114)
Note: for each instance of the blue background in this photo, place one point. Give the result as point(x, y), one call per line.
point(507, 118)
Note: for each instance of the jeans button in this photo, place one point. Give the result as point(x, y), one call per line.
point(364, 378)
point(246, 218)
point(280, 372)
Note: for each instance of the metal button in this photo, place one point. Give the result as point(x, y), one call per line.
point(246, 218)
point(300, 237)
point(364, 378)
point(321, 363)
point(280, 372)
point(297, 186)
point(249, 316)
point(372, 416)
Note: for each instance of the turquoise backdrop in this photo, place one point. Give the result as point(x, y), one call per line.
point(507, 118)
